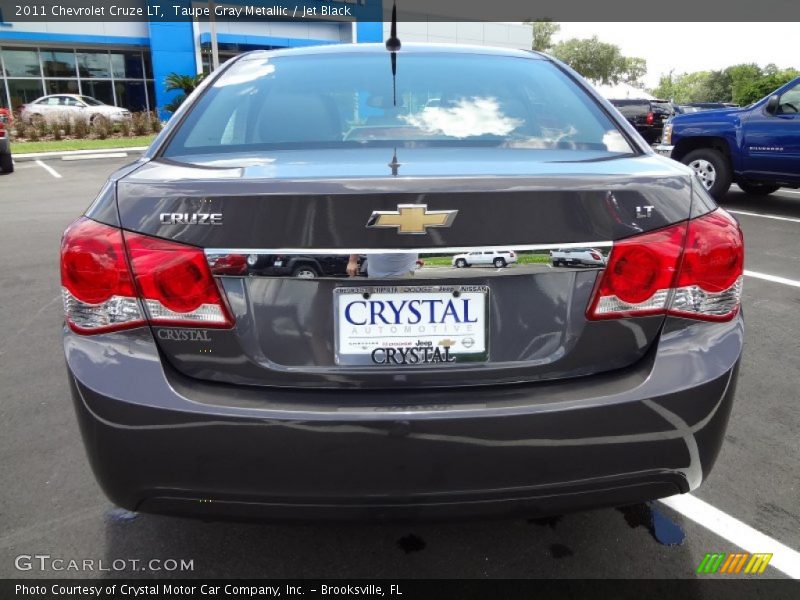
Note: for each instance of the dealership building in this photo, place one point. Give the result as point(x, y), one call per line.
point(126, 63)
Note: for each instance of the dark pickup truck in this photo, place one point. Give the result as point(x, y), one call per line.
point(757, 147)
point(647, 116)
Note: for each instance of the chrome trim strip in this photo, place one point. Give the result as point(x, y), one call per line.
point(417, 250)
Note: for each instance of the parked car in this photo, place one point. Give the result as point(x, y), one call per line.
point(757, 146)
point(485, 258)
point(6, 162)
point(524, 392)
point(647, 116)
point(303, 266)
point(72, 106)
point(576, 257)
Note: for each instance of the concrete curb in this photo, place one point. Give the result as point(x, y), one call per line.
point(60, 154)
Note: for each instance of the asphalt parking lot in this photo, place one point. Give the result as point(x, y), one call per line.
point(50, 503)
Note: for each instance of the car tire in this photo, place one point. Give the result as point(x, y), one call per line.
point(712, 168)
point(755, 189)
point(305, 272)
point(499, 263)
point(461, 263)
point(6, 163)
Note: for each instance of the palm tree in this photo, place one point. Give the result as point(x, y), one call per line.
point(185, 84)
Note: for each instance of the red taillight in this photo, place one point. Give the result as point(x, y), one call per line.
point(595, 255)
point(96, 285)
point(230, 264)
point(691, 269)
point(171, 282)
point(175, 283)
point(639, 274)
point(709, 285)
point(650, 118)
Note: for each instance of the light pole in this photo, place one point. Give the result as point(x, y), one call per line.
point(214, 47)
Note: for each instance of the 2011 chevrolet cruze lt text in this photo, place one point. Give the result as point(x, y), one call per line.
point(379, 387)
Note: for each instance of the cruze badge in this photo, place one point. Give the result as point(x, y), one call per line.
point(412, 218)
point(190, 218)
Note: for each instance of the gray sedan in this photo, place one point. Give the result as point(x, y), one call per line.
point(206, 387)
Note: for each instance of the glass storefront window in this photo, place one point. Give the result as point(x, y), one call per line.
point(58, 63)
point(61, 86)
point(94, 64)
point(30, 73)
point(98, 89)
point(23, 91)
point(130, 94)
point(21, 63)
point(127, 65)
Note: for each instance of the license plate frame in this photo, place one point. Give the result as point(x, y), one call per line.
point(457, 343)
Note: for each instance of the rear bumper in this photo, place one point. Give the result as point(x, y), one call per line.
point(160, 442)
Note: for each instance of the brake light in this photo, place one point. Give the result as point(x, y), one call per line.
point(175, 283)
point(96, 285)
point(167, 283)
point(595, 255)
point(639, 275)
point(692, 269)
point(650, 118)
point(709, 285)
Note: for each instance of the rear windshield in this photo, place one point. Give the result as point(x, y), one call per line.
point(350, 100)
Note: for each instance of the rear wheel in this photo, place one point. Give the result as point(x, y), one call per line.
point(6, 164)
point(305, 272)
point(461, 263)
point(755, 189)
point(712, 170)
point(499, 263)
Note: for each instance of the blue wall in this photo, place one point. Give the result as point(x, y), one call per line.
point(172, 51)
point(369, 31)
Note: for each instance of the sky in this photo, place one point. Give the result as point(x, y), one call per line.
point(688, 47)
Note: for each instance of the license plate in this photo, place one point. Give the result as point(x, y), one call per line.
point(411, 325)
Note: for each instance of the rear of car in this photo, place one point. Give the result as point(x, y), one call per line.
point(207, 385)
point(647, 116)
point(575, 257)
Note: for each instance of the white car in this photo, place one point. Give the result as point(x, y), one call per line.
point(73, 106)
point(575, 257)
point(485, 258)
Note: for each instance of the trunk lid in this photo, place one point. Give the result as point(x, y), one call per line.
point(312, 208)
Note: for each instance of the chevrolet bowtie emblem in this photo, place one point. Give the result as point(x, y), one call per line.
point(412, 218)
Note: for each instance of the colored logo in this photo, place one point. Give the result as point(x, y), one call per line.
point(736, 563)
point(412, 218)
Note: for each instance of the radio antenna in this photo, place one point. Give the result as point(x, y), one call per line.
point(393, 45)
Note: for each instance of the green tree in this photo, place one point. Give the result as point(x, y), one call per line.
point(600, 62)
point(543, 32)
point(186, 84)
point(747, 92)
